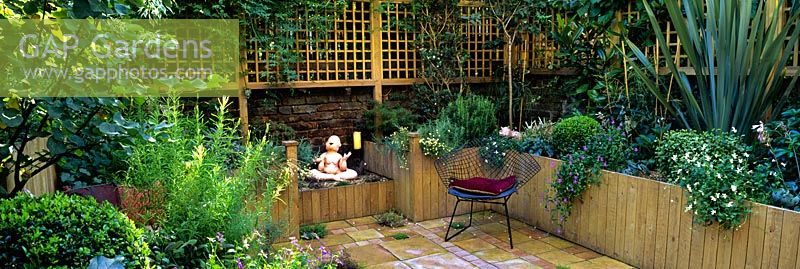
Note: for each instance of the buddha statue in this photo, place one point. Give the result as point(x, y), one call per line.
point(332, 165)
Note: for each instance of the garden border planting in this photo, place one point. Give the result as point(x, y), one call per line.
point(635, 220)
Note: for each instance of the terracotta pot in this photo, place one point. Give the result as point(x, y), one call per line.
point(101, 193)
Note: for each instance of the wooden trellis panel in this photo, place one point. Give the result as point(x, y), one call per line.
point(368, 49)
point(398, 53)
point(483, 62)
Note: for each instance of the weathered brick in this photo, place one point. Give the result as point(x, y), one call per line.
point(317, 100)
point(293, 100)
point(330, 106)
point(285, 110)
point(304, 109)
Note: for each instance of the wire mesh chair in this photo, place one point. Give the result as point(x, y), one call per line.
point(465, 162)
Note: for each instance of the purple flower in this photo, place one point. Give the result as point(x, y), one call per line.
point(220, 237)
point(635, 149)
point(239, 263)
point(552, 164)
point(574, 181)
point(585, 148)
point(559, 181)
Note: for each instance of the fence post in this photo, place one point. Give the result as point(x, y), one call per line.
point(415, 159)
point(289, 209)
point(376, 54)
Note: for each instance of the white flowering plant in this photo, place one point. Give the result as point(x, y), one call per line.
point(715, 169)
point(398, 142)
point(440, 137)
point(495, 148)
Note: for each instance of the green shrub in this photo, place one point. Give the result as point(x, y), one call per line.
point(714, 168)
point(440, 137)
point(313, 231)
point(391, 219)
point(476, 114)
point(393, 118)
point(571, 134)
point(60, 230)
point(196, 169)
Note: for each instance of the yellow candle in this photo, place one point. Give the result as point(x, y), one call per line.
point(356, 140)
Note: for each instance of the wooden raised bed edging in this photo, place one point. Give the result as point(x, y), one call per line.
point(635, 220)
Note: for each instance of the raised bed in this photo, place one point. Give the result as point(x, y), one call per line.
point(635, 220)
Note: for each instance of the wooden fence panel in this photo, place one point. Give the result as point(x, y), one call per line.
point(43, 182)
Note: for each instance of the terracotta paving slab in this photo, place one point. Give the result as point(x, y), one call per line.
point(365, 235)
point(337, 239)
point(389, 265)
point(442, 261)
point(474, 245)
point(515, 264)
point(361, 221)
point(337, 225)
point(412, 248)
point(494, 255)
point(557, 242)
point(535, 247)
point(484, 245)
point(371, 255)
point(430, 224)
point(559, 257)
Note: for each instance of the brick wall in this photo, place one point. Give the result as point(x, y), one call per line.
point(314, 114)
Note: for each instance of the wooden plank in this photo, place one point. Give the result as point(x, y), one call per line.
point(341, 203)
point(333, 204)
point(696, 248)
point(724, 247)
point(324, 206)
point(632, 242)
point(710, 247)
point(685, 239)
point(599, 222)
point(427, 188)
point(651, 199)
point(622, 209)
point(316, 215)
point(674, 228)
point(755, 242)
point(382, 193)
point(790, 238)
point(660, 238)
point(307, 210)
point(358, 199)
point(772, 238)
point(351, 203)
point(739, 244)
point(611, 214)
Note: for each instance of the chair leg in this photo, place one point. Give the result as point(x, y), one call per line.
point(508, 223)
point(446, 234)
point(471, 204)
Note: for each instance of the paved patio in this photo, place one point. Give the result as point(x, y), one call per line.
point(484, 245)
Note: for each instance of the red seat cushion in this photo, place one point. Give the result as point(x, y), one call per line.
point(484, 185)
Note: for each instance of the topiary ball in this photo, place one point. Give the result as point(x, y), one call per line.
point(57, 230)
point(572, 133)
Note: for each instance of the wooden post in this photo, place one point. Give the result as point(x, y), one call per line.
point(289, 210)
point(376, 43)
point(415, 159)
point(243, 112)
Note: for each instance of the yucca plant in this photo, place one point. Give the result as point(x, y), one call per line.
point(739, 56)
